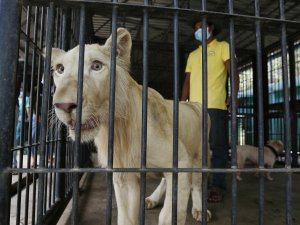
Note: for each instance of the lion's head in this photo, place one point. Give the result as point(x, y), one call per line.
point(96, 84)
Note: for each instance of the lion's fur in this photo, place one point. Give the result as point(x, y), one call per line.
point(128, 121)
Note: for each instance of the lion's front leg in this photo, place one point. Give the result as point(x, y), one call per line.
point(197, 198)
point(127, 191)
point(165, 216)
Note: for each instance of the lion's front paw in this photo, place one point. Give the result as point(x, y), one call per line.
point(239, 178)
point(150, 203)
point(197, 214)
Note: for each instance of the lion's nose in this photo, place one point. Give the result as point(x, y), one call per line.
point(67, 107)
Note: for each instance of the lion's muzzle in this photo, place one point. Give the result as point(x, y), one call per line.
point(66, 107)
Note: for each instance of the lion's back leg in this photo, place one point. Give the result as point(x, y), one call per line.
point(157, 197)
point(165, 216)
point(184, 189)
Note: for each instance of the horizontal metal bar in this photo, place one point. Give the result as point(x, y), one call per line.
point(13, 190)
point(34, 145)
point(150, 170)
point(32, 44)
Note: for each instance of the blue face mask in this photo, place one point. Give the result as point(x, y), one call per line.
point(198, 34)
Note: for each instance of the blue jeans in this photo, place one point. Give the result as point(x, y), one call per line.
point(17, 142)
point(219, 144)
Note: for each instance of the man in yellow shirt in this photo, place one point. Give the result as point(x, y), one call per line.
point(218, 64)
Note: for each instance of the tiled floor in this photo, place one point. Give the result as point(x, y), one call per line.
point(93, 202)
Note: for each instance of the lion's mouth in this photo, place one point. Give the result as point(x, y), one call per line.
point(88, 125)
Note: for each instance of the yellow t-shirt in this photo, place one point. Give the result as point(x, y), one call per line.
point(217, 54)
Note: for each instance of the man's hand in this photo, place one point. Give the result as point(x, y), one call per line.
point(228, 103)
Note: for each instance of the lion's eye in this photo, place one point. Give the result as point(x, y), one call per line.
point(60, 68)
point(96, 65)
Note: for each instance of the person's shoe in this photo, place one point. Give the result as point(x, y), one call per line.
point(14, 173)
point(215, 195)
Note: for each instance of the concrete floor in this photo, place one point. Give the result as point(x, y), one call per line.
point(92, 206)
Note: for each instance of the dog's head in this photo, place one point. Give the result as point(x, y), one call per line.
point(276, 144)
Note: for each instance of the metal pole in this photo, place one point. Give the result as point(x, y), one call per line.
point(39, 75)
point(144, 115)
point(287, 116)
point(78, 114)
point(9, 35)
point(293, 105)
point(61, 154)
point(111, 113)
point(44, 113)
point(175, 115)
point(30, 128)
point(233, 116)
point(205, 134)
point(260, 112)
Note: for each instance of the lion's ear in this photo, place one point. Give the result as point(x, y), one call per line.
point(123, 44)
point(56, 52)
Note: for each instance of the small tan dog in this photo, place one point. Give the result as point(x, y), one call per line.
point(271, 151)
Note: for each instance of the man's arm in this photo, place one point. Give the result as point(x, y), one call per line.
point(27, 105)
point(186, 88)
point(28, 112)
point(237, 81)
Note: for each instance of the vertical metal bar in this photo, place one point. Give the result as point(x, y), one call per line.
point(78, 113)
point(61, 163)
point(64, 28)
point(266, 92)
point(175, 114)
point(233, 116)
point(22, 130)
point(42, 19)
point(144, 114)
point(33, 66)
point(9, 11)
point(57, 27)
point(260, 111)
point(55, 163)
point(291, 50)
point(61, 156)
point(255, 101)
point(49, 159)
point(67, 166)
point(50, 147)
point(111, 114)
point(287, 119)
point(51, 141)
point(44, 113)
point(204, 114)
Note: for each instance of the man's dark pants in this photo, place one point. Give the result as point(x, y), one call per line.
point(219, 144)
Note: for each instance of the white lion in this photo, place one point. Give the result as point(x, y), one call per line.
point(127, 130)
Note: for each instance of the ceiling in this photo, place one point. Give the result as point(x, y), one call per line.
point(130, 14)
point(161, 13)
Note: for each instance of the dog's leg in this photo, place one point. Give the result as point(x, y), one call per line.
point(127, 191)
point(165, 216)
point(268, 174)
point(240, 163)
point(156, 197)
point(197, 198)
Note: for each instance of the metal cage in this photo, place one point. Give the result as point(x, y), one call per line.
point(262, 34)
